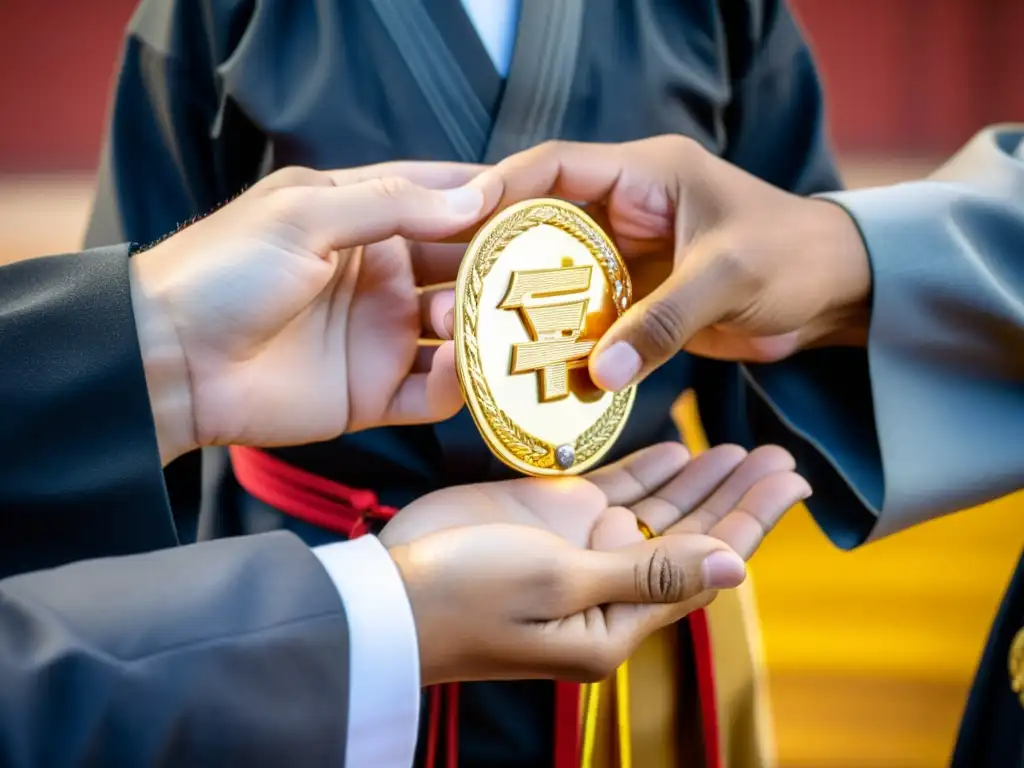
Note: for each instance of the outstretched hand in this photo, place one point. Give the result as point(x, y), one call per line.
point(542, 602)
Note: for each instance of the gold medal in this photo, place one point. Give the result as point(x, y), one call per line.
point(539, 285)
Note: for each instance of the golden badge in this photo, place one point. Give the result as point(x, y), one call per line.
point(1016, 664)
point(539, 285)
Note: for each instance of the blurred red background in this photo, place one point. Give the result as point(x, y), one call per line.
point(911, 77)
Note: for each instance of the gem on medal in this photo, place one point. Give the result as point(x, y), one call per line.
point(565, 456)
point(538, 287)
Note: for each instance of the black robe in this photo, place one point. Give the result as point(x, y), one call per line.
point(212, 94)
point(992, 730)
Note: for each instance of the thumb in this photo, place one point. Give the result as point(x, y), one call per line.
point(671, 569)
point(370, 211)
point(427, 397)
point(657, 327)
point(616, 528)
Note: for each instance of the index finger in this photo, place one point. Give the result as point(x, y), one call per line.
point(583, 173)
point(334, 218)
point(641, 474)
point(424, 174)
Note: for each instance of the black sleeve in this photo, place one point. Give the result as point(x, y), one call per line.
point(228, 653)
point(155, 174)
point(157, 167)
point(173, 151)
point(776, 130)
point(80, 474)
point(776, 121)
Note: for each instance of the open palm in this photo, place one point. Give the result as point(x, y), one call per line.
point(725, 492)
point(514, 525)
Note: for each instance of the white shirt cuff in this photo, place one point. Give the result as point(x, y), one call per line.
point(384, 661)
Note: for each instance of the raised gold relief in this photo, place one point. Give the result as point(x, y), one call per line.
point(554, 328)
point(539, 285)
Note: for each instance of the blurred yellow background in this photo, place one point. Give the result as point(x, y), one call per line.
point(870, 653)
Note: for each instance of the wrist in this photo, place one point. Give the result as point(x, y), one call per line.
point(846, 317)
point(435, 649)
point(164, 363)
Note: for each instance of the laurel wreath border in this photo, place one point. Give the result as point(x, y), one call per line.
point(520, 443)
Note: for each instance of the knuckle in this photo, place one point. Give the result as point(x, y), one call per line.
point(288, 176)
point(681, 151)
point(663, 325)
point(289, 173)
point(551, 148)
point(660, 580)
point(392, 187)
point(288, 202)
point(598, 663)
point(549, 155)
point(681, 145)
point(734, 267)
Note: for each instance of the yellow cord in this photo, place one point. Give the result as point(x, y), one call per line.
point(591, 695)
point(591, 703)
point(622, 707)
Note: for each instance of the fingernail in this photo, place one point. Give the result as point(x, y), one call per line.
point(723, 570)
point(449, 322)
point(616, 367)
point(464, 200)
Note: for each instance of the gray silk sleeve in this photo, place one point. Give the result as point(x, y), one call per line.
point(930, 419)
point(228, 653)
